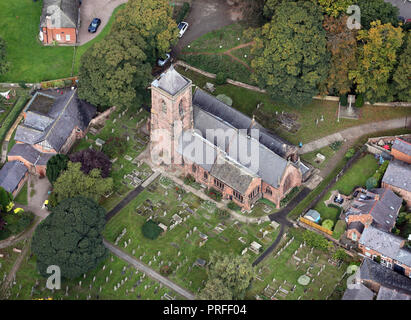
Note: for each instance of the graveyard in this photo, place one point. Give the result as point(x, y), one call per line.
point(127, 172)
point(191, 229)
point(295, 271)
point(113, 279)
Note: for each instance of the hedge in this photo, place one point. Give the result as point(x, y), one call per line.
point(12, 116)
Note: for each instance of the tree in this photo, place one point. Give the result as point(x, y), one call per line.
point(342, 45)
point(291, 56)
point(371, 183)
point(376, 61)
point(373, 10)
point(55, 166)
point(115, 71)
point(215, 290)
point(235, 273)
point(115, 146)
point(91, 159)
point(328, 224)
point(73, 182)
point(270, 7)
point(152, 20)
point(333, 8)
point(340, 254)
point(70, 237)
point(4, 65)
point(6, 200)
point(402, 75)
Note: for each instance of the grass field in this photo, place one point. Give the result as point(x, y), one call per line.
point(30, 60)
point(181, 246)
point(22, 197)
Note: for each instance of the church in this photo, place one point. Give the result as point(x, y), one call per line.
point(219, 146)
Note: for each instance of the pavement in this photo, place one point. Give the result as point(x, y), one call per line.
point(148, 271)
point(354, 133)
point(206, 16)
point(91, 9)
point(404, 6)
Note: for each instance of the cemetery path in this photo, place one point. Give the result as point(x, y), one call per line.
point(147, 270)
point(270, 248)
point(356, 132)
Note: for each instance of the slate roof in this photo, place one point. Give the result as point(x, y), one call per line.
point(373, 271)
point(37, 121)
point(385, 243)
point(30, 154)
point(361, 293)
point(11, 175)
point(357, 225)
point(402, 146)
point(398, 174)
point(171, 81)
point(62, 13)
point(231, 174)
point(391, 294)
point(27, 134)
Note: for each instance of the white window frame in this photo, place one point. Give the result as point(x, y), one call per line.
point(58, 37)
point(67, 37)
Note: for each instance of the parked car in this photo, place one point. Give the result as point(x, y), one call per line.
point(356, 194)
point(162, 61)
point(94, 25)
point(338, 199)
point(182, 26)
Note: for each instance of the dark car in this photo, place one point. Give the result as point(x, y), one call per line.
point(338, 199)
point(94, 25)
point(356, 194)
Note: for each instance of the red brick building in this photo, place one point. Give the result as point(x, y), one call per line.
point(401, 150)
point(219, 146)
point(59, 22)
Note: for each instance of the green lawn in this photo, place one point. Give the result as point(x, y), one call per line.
point(164, 204)
point(357, 175)
point(22, 196)
point(311, 157)
point(282, 271)
point(30, 61)
point(9, 257)
point(246, 101)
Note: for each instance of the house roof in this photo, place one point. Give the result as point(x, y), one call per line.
point(360, 293)
point(373, 271)
point(27, 134)
point(30, 154)
point(232, 174)
point(11, 175)
point(385, 243)
point(391, 294)
point(357, 225)
point(62, 13)
point(402, 146)
point(37, 121)
point(398, 174)
point(171, 81)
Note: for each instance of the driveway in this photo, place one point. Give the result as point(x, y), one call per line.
point(91, 9)
point(404, 6)
point(206, 16)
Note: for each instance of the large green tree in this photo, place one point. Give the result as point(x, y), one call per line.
point(115, 71)
point(342, 44)
point(4, 65)
point(215, 290)
point(152, 20)
point(376, 61)
point(6, 200)
point(55, 166)
point(70, 238)
point(229, 271)
point(373, 10)
point(334, 8)
point(402, 75)
point(73, 182)
point(291, 56)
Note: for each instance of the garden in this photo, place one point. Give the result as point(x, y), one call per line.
point(191, 229)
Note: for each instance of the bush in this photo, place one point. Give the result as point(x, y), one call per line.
point(233, 206)
point(189, 179)
point(371, 183)
point(359, 101)
point(336, 145)
point(328, 224)
point(221, 78)
point(151, 230)
point(341, 255)
point(22, 84)
point(214, 194)
point(25, 219)
point(343, 100)
point(183, 12)
point(350, 153)
point(315, 240)
point(12, 116)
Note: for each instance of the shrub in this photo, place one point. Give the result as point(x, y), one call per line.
point(315, 240)
point(214, 194)
point(336, 145)
point(343, 100)
point(371, 183)
point(350, 153)
point(359, 101)
point(233, 206)
point(151, 230)
point(328, 224)
point(189, 179)
point(341, 255)
point(22, 84)
point(221, 78)
point(183, 12)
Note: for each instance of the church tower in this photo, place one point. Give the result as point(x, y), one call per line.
point(171, 113)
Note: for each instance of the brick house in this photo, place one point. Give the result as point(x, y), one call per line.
point(390, 248)
point(59, 22)
point(397, 177)
point(51, 125)
point(401, 150)
point(378, 208)
point(207, 140)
